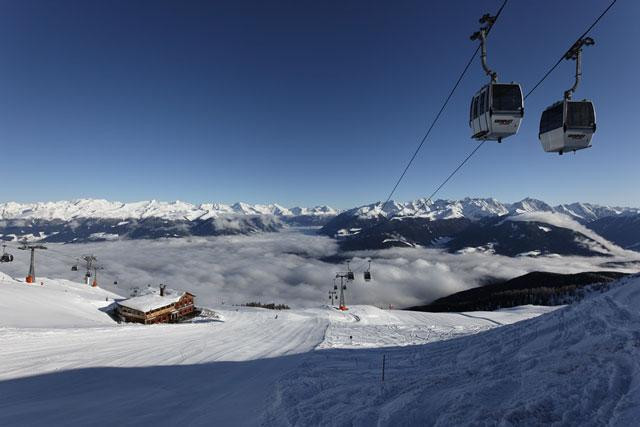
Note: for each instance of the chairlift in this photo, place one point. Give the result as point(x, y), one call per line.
point(74, 267)
point(6, 257)
point(496, 109)
point(569, 125)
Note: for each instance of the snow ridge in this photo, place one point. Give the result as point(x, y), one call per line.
point(478, 208)
point(67, 210)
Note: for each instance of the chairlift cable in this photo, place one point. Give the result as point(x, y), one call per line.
point(525, 97)
point(562, 57)
point(435, 120)
point(475, 150)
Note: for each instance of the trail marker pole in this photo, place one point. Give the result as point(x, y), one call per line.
point(384, 362)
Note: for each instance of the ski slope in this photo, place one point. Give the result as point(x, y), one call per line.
point(64, 361)
point(576, 366)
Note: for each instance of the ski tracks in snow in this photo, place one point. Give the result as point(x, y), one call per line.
point(576, 366)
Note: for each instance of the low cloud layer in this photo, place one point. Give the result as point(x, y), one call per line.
point(286, 268)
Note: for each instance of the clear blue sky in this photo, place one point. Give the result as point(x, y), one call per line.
point(301, 102)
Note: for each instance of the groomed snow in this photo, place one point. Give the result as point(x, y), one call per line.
point(576, 366)
point(65, 362)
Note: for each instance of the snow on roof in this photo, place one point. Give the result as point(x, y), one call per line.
point(146, 303)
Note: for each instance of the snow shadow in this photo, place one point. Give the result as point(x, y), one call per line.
point(220, 393)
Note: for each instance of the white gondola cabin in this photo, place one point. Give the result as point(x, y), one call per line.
point(496, 111)
point(567, 126)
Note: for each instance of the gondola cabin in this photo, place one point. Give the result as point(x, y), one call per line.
point(496, 111)
point(567, 126)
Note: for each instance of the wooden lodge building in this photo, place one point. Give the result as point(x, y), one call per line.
point(157, 308)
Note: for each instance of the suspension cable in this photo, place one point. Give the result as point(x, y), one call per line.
point(562, 57)
point(435, 120)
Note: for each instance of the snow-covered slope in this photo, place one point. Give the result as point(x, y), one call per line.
point(95, 208)
point(590, 238)
point(577, 366)
point(65, 362)
point(52, 304)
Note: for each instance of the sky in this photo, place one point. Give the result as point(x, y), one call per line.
point(302, 102)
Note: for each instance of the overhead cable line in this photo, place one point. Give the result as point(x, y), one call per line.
point(433, 123)
point(476, 149)
point(525, 97)
point(563, 55)
point(435, 120)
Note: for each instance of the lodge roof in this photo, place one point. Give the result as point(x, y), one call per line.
point(148, 302)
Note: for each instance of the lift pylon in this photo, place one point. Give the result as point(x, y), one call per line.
point(31, 277)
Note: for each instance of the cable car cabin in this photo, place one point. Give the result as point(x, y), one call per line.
point(496, 111)
point(567, 126)
point(367, 276)
point(350, 275)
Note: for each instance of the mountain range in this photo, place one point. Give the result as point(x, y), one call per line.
point(528, 227)
point(87, 220)
point(104, 209)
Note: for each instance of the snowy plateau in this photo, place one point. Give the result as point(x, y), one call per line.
point(66, 362)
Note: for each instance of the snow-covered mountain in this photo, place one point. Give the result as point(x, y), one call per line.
point(86, 220)
point(68, 210)
point(534, 227)
point(477, 208)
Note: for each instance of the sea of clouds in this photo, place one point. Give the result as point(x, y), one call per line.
point(287, 267)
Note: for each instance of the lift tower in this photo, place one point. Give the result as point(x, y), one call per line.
point(31, 277)
point(333, 293)
point(90, 261)
point(345, 277)
point(342, 276)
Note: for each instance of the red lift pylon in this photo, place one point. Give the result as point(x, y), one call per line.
point(31, 277)
point(349, 276)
